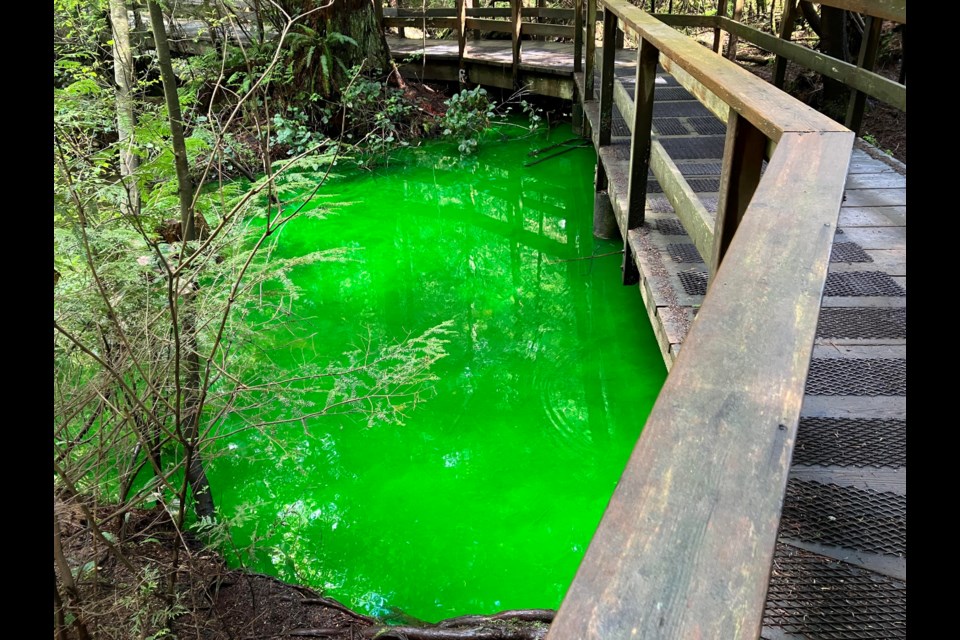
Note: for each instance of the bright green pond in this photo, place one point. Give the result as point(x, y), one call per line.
point(486, 498)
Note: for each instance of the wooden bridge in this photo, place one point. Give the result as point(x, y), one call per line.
point(766, 496)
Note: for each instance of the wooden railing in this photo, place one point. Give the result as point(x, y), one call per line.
point(517, 20)
point(685, 546)
point(859, 77)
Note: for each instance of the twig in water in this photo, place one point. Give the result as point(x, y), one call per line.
point(602, 255)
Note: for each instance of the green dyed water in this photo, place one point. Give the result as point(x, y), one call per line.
point(486, 497)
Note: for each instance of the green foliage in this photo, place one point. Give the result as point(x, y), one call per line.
point(293, 130)
point(469, 114)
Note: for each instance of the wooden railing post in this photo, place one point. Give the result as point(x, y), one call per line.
point(516, 10)
point(640, 144)
point(786, 32)
point(717, 33)
point(866, 59)
point(732, 39)
point(577, 36)
point(378, 10)
point(401, 32)
point(742, 161)
point(590, 61)
point(606, 76)
point(461, 35)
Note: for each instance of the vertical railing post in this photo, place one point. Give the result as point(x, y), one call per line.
point(590, 62)
point(461, 35)
point(606, 76)
point(866, 59)
point(577, 111)
point(717, 34)
point(732, 38)
point(401, 32)
point(640, 144)
point(786, 32)
point(605, 223)
point(902, 76)
point(515, 19)
point(743, 153)
point(577, 36)
point(378, 10)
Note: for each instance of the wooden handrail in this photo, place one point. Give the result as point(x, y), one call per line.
point(685, 546)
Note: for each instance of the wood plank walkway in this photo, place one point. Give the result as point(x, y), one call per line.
point(839, 569)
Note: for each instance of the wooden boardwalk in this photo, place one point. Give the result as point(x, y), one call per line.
point(839, 567)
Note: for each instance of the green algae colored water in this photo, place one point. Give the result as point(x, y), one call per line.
point(486, 497)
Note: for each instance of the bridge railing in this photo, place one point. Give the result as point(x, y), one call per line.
point(515, 19)
point(860, 77)
point(685, 546)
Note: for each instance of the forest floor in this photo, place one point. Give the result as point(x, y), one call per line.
point(124, 592)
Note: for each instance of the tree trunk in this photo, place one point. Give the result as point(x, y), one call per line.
point(123, 74)
point(184, 182)
point(355, 19)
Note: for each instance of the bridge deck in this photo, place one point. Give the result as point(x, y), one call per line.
point(839, 569)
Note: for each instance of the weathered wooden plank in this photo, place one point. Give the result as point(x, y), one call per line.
point(607, 78)
point(431, 23)
point(787, 21)
point(694, 217)
point(696, 88)
point(732, 40)
point(740, 174)
point(875, 197)
point(577, 38)
point(685, 545)
point(721, 12)
point(683, 20)
point(495, 26)
point(547, 30)
point(891, 261)
point(670, 319)
point(884, 89)
point(855, 407)
point(883, 180)
point(866, 59)
point(516, 17)
point(877, 237)
point(641, 125)
point(895, 10)
point(893, 480)
point(461, 29)
point(590, 61)
point(873, 216)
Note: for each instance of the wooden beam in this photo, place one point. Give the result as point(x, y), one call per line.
point(607, 77)
point(732, 40)
point(893, 10)
point(685, 546)
point(872, 84)
point(866, 59)
point(577, 36)
point(516, 11)
point(773, 112)
point(739, 176)
point(787, 23)
point(590, 61)
point(495, 26)
point(461, 33)
point(683, 20)
point(547, 30)
point(418, 23)
point(696, 220)
point(721, 12)
point(378, 10)
point(640, 142)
